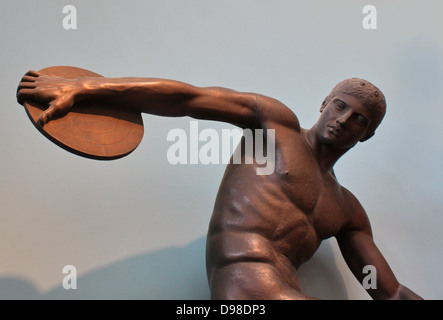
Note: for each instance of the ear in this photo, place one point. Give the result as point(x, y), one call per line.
point(323, 106)
point(367, 137)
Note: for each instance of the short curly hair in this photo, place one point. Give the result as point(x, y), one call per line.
point(369, 95)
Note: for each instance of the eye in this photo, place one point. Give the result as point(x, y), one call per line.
point(361, 120)
point(340, 105)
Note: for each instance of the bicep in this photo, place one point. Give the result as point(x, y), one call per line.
point(246, 110)
point(226, 105)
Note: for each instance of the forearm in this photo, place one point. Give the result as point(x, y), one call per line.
point(359, 251)
point(149, 95)
point(172, 99)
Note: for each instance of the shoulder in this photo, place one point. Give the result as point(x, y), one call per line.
point(274, 113)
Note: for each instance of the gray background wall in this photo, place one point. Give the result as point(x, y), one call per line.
point(135, 227)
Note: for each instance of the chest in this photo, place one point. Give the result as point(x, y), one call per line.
point(316, 194)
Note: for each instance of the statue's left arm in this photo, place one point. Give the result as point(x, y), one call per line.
point(359, 250)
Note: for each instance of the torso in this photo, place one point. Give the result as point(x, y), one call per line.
point(278, 219)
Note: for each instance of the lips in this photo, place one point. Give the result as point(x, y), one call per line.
point(334, 131)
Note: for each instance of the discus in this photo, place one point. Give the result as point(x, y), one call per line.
point(91, 129)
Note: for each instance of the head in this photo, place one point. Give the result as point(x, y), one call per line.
point(369, 95)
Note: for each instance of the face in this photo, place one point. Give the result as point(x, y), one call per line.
point(343, 122)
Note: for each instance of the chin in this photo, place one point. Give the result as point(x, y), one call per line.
point(327, 140)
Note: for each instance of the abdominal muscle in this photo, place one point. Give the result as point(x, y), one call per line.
point(255, 244)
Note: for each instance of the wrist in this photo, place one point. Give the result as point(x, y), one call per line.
point(85, 87)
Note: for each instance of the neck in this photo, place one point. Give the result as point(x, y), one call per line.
point(325, 153)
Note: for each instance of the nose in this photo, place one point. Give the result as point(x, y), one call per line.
point(343, 119)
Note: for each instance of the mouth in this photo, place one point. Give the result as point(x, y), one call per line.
point(335, 131)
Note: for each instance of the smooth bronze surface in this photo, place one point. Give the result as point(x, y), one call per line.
point(91, 129)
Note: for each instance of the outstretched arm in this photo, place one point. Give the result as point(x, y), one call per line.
point(359, 250)
point(155, 96)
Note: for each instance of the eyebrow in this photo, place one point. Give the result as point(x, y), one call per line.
point(339, 100)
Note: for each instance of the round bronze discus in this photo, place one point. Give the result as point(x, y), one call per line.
point(90, 129)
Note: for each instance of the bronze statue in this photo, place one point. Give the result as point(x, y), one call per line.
point(263, 227)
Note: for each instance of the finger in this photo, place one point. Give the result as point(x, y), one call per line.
point(23, 85)
point(24, 94)
point(28, 79)
point(53, 110)
point(32, 73)
point(46, 116)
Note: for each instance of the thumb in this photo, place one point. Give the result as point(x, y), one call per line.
point(57, 107)
point(47, 115)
